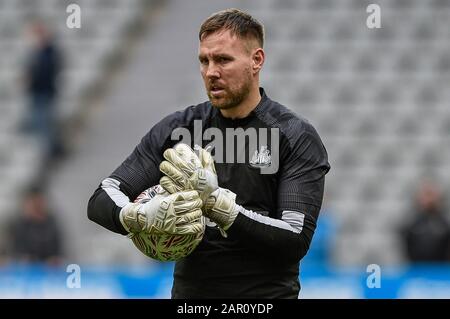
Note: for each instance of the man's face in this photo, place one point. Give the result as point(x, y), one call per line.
point(226, 68)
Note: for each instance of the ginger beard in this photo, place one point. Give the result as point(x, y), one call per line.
point(230, 96)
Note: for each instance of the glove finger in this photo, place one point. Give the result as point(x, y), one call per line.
point(169, 185)
point(186, 206)
point(174, 158)
point(192, 228)
point(187, 153)
point(207, 160)
point(174, 174)
point(184, 164)
point(185, 196)
point(190, 217)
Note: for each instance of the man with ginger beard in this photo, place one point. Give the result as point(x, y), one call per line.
point(254, 249)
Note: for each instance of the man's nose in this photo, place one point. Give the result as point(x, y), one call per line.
point(212, 71)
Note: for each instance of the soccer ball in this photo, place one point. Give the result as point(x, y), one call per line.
point(165, 247)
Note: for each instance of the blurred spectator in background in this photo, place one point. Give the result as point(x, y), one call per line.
point(427, 236)
point(35, 234)
point(41, 73)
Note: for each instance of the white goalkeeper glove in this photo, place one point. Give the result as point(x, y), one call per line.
point(221, 208)
point(178, 213)
point(185, 170)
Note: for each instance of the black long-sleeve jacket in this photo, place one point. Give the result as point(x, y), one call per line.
point(279, 180)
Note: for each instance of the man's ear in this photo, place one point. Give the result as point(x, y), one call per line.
point(258, 58)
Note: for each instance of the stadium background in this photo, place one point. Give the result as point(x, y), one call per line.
point(379, 99)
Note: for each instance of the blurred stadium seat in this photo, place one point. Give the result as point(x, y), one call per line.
point(104, 30)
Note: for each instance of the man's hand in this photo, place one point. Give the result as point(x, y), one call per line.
point(185, 170)
point(221, 208)
point(178, 213)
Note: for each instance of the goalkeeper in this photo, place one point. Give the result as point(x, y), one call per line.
point(259, 225)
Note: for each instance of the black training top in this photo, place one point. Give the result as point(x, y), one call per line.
point(279, 182)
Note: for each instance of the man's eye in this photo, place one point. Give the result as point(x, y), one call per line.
point(223, 60)
point(203, 61)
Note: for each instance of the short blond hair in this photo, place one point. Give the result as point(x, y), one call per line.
point(239, 23)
